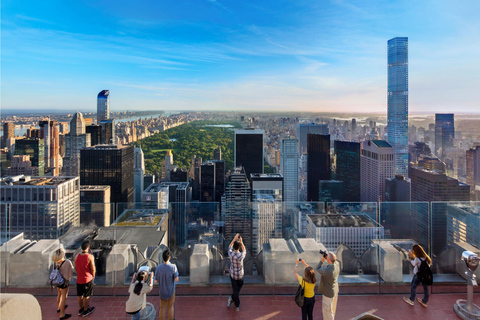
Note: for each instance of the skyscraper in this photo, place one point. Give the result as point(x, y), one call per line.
point(110, 165)
point(108, 131)
point(267, 194)
point(95, 134)
point(236, 207)
point(249, 150)
point(212, 182)
point(74, 142)
point(347, 168)
point(8, 132)
point(305, 128)
point(49, 132)
point(103, 106)
point(318, 163)
point(138, 172)
point(217, 153)
point(377, 165)
point(473, 167)
point(289, 169)
point(168, 164)
point(398, 189)
point(397, 119)
point(444, 132)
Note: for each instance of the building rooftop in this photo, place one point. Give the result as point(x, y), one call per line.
point(266, 175)
point(249, 131)
point(86, 188)
point(382, 144)
point(34, 181)
point(342, 221)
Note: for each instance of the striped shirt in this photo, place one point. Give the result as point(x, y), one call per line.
point(236, 265)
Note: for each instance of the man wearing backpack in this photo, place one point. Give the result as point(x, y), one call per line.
point(421, 274)
point(85, 265)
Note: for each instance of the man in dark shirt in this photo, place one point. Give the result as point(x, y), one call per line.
point(236, 269)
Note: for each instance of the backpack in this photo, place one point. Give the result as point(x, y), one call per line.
point(425, 274)
point(56, 279)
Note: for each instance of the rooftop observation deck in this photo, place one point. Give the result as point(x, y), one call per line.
point(278, 307)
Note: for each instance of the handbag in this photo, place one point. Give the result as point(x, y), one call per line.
point(300, 295)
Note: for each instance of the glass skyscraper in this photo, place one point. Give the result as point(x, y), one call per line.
point(398, 101)
point(347, 168)
point(444, 132)
point(103, 106)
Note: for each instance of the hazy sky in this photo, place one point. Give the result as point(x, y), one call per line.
point(323, 56)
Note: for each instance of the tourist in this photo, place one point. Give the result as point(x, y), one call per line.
point(85, 266)
point(236, 269)
point(417, 255)
point(328, 287)
point(166, 275)
point(140, 286)
point(65, 268)
point(308, 283)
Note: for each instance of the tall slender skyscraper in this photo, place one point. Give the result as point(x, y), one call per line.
point(318, 163)
point(103, 106)
point(289, 169)
point(49, 132)
point(74, 142)
point(249, 150)
point(444, 132)
point(138, 173)
point(398, 101)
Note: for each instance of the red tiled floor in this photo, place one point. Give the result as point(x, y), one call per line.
point(390, 307)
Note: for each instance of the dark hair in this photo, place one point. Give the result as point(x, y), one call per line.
point(310, 275)
point(166, 255)
point(236, 245)
point(420, 253)
point(141, 276)
point(85, 245)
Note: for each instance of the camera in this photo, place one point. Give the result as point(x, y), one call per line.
point(323, 253)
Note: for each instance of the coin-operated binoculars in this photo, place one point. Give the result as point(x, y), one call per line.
point(467, 309)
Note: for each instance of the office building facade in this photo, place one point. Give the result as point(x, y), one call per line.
point(303, 129)
point(444, 132)
point(473, 167)
point(249, 152)
point(8, 132)
point(95, 206)
point(377, 165)
point(347, 168)
point(35, 148)
point(289, 169)
point(138, 172)
point(397, 117)
point(40, 207)
point(49, 132)
point(109, 165)
point(236, 207)
point(398, 189)
point(76, 140)
point(318, 163)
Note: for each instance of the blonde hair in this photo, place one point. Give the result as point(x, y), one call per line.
point(58, 255)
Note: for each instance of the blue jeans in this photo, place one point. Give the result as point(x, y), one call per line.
point(415, 283)
point(137, 315)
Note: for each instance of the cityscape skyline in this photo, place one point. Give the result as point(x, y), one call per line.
point(224, 56)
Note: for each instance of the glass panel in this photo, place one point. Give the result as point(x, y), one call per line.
point(406, 224)
point(455, 227)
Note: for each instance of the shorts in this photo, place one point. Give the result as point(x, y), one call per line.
point(64, 285)
point(85, 289)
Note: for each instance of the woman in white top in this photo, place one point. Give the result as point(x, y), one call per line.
point(138, 294)
point(417, 255)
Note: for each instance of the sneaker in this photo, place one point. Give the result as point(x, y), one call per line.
point(407, 300)
point(237, 309)
point(80, 312)
point(88, 311)
point(229, 301)
point(422, 303)
point(66, 316)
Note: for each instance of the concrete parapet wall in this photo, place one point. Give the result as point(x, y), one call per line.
point(20, 306)
point(120, 264)
point(390, 258)
point(280, 256)
point(200, 265)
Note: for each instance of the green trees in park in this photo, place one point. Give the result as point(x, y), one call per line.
point(198, 138)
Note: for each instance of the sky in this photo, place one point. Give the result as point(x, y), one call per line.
point(319, 56)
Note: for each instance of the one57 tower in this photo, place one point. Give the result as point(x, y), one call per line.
point(397, 118)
